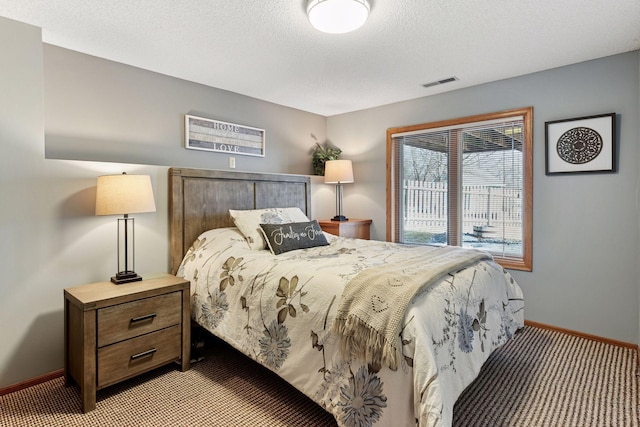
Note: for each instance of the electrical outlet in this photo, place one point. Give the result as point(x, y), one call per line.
point(232, 162)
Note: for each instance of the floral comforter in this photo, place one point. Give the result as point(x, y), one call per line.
point(279, 310)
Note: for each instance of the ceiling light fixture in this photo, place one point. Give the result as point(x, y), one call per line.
point(337, 16)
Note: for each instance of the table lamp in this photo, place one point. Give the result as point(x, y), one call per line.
point(338, 172)
point(123, 195)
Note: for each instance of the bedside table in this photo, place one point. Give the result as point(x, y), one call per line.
point(356, 228)
point(114, 332)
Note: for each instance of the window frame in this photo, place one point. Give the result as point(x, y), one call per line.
point(525, 262)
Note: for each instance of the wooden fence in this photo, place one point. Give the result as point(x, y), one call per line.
point(487, 212)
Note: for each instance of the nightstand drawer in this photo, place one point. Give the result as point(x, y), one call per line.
point(115, 332)
point(128, 358)
point(124, 321)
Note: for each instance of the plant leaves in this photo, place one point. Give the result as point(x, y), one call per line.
point(283, 288)
point(228, 263)
point(292, 285)
point(282, 315)
point(409, 361)
point(236, 263)
point(314, 342)
point(482, 314)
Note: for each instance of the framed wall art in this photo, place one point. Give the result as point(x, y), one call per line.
point(581, 145)
point(213, 135)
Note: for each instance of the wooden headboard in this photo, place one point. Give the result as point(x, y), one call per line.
point(199, 200)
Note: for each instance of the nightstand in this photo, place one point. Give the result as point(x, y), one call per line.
point(114, 332)
point(356, 228)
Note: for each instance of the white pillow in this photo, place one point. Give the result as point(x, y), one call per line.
point(248, 222)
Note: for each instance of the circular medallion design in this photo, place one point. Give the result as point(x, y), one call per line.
point(579, 145)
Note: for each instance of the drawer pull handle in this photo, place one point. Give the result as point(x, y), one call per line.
point(141, 318)
point(143, 354)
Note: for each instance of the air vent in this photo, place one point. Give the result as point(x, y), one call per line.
point(441, 82)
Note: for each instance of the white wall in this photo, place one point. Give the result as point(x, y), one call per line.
point(585, 227)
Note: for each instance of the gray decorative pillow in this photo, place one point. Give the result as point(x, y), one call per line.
point(295, 235)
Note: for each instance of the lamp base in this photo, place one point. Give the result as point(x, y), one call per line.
point(339, 218)
point(125, 277)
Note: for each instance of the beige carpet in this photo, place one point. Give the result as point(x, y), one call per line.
point(547, 378)
point(541, 378)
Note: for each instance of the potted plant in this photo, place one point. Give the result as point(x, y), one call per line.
point(322, 153)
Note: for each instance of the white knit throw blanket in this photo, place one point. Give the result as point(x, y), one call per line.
point(374, 302)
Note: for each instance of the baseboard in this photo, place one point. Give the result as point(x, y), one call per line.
point(56, 374)
point(31, 382)
point(583, 335)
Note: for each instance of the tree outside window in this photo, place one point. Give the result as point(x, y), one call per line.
point(464, 182)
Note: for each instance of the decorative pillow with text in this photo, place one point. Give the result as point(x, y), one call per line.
point(283, 238)
point(248, 222)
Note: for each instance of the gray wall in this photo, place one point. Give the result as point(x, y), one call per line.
point(113, 118)
point(585, 227)
point(101, 110)
point(98, 117)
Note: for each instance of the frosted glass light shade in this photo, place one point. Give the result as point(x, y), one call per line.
point(337, 16)
point(338, 171)
point(124, 194)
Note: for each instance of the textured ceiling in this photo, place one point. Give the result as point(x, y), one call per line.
point(268, 50)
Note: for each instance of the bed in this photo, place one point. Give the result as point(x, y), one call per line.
point(297, 312)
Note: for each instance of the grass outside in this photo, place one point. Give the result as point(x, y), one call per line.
point(421, 237)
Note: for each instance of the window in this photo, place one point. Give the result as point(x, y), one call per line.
point(464, 182)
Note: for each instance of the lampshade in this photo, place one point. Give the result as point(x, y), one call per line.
point(337, 16)
point(124, 194)
point(338, 171)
